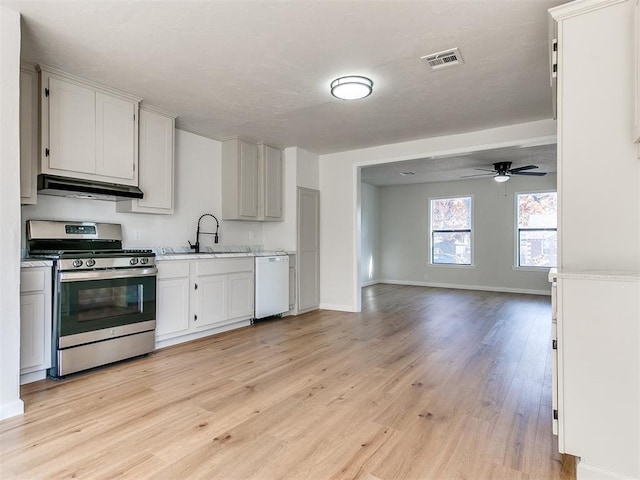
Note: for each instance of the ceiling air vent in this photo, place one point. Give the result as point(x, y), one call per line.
point(407, 174)
point(447, 58)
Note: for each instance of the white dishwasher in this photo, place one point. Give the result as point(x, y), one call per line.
point(272, 285)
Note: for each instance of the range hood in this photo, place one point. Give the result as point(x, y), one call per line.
point(77, 188)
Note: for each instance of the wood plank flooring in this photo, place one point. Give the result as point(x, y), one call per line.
point(425, 383)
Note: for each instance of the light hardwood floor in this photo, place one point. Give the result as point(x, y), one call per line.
point(423, 384)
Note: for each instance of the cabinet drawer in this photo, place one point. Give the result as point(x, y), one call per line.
point(224, 265)
point(173, 269)
point(32, 280)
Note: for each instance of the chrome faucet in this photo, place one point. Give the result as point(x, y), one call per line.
point(196, 246)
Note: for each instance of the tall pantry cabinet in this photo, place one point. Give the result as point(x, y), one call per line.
point(598, 279)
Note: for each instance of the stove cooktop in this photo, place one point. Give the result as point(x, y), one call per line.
point(92, 253)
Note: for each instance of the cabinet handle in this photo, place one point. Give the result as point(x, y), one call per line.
point(195, 286)
point(195, 317)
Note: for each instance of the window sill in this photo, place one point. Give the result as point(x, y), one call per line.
point(531, 269)
point(452, 265)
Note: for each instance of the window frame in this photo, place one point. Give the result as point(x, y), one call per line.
point(517, 229)
point(471, 263)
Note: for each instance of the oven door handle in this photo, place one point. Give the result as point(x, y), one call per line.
point(107, 274)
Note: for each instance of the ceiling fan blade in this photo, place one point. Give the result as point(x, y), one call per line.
point(533, 174)
point(519, 169)
point(485, 170)
point(478, 175)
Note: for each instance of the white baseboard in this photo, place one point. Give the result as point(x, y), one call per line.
point(339, 308)
point(369, 283)
point(33, 377)
point(11, 409)
point(168, 342)
point(468, 287)
point(591, 472)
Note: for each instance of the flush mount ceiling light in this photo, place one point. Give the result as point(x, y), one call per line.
point(502, 177)
point(352, 87)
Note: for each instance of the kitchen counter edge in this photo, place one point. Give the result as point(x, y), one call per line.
point(31, 263)
point(209, 255)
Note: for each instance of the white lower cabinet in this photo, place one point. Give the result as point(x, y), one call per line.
point(201, 297)
point(172, 300)
point(211, 300)
point(35, 323)
point(240, 295)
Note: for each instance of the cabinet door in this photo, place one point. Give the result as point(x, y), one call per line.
point(72, 127)
point(292, 288)
point(272, 183)
point(637, 74)
point(211, 301)
point(248, 179)
point(308, 257)
point(28, 136)
point(32, 333)
point(172, 307)
point(156, 162)
point(115, 137)
point(240, 295)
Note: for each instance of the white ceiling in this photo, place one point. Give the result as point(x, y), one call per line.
point(261, 69)
point(450, 168)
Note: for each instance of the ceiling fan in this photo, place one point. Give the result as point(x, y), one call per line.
point(502, 171)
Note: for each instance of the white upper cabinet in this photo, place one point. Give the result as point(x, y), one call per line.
point(272, 168)
point(637, 73)
point(72, 127)
point(116, 128)
point(156, 160)
point(28, 135)
point(87, 131)
point(248, 176)
point(251, 181)
point(240, 175)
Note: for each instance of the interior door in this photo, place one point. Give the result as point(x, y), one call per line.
point(308, 260)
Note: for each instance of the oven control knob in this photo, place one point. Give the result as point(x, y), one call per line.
point(144, 260)
point(90, 263)
point(77, 263)
point(133, 261)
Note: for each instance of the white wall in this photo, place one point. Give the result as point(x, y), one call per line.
point(339, 199)
point(10, 403)
point(308, 169)
point(404, 235)
point(369, 234)
point(197, 191)
point(300, 170)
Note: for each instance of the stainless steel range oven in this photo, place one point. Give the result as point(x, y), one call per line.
point(104, 297)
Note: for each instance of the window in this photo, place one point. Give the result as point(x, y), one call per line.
point(537, 229)
point(451, 230)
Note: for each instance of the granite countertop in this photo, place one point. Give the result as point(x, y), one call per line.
point(184, 253)
point(35, 262)
point(181, 253)
point(605, 275)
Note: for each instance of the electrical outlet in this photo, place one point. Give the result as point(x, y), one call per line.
point(137, 234)
point(251, 235)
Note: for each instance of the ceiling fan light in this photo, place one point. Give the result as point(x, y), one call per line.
point(501, 177)
point(352, 87)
